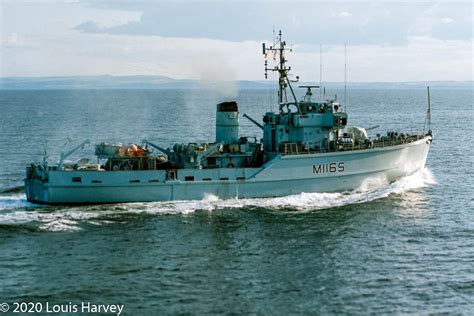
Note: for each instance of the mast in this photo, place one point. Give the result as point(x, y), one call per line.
point(428, 114)
point(321, 72)
point(345, 77)
point(282, 69)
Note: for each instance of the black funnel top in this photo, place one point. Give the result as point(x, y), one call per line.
point(230, 106)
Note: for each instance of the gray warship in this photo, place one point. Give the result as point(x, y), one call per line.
point(307, 146)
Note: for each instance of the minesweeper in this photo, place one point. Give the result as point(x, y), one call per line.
point(306, 147)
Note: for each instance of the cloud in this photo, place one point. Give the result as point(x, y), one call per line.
point(89, 27)
point(12, 39)
point(344, 14)
point(354, 22)
point(362, 22)
point(386, 41)
point(446, 20)
point(211, 61)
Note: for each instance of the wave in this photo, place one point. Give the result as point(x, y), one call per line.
point(15, 201)
point(15, 210)
point(16, 189)
point(372, 189)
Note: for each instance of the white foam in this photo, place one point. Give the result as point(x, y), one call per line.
point(60, 225)
point(14, 209)
point(48, 219)
point(14, 201)
point(372, 189)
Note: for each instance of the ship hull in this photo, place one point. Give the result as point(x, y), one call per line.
point(283, 175)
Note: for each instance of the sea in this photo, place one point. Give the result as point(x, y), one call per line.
point(403, 248)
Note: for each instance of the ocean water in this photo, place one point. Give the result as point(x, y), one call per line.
point(406, 247)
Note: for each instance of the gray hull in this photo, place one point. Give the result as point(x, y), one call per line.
point(283, 175)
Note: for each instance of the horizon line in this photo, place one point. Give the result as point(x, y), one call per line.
point(187, 79)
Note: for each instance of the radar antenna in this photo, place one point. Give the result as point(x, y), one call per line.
point(309, 93)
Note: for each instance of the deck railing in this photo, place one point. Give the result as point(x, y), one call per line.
point(297, 149)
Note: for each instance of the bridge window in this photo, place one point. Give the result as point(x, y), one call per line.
point(189, 178)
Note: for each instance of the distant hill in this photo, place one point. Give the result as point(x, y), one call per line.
point(89, 82)
point(161, 82)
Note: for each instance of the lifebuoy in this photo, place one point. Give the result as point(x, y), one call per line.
point(230, 165)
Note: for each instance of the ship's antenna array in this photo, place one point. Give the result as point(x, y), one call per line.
point(279, 48)
point(273, 74)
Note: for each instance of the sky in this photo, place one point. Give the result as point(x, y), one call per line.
point(387, 41)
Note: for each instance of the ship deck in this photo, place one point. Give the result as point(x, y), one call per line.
point(295, 148)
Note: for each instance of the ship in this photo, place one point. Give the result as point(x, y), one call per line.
point(307, 146)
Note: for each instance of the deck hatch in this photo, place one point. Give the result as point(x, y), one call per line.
point(77, 179)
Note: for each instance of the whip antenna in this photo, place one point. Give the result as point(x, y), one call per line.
point(321, 71)
point(428, 114)
point(345, 77)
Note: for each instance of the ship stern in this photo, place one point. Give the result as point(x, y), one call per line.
point(35, 184)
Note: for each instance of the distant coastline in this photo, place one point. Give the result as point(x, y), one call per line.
point(161, 82)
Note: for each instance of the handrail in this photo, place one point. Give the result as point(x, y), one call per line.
point(377, 143)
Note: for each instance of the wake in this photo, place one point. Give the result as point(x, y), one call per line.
point(16, 210)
